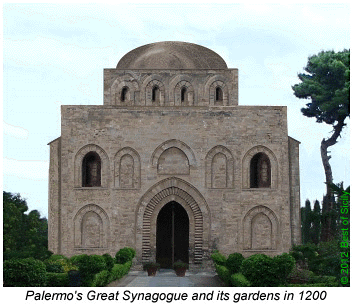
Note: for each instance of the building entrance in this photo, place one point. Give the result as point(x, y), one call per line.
point(172, 235)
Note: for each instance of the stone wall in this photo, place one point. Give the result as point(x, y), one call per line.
point(196, 156)
point(200, 87)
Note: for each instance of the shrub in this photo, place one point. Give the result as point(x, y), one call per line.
point(57, 279)
point(328, 261)
point(304, 254)
point(27, 272)
point(53, 266)
point(283, 265)
point(124, 255)
point(67, 265)
point(239, 280)
point(234, 261)
point(110, 262)
point(75, 260)
point(101, 279)
point(299, 276)
point(259, 270)
point(223, 273)
point(218, 258)
point(89, 265)
point(56, 257)
point(133, 252)
point(308, 285)
point(119, 271)
point(329, 281)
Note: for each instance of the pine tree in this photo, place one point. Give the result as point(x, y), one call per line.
point(326, 87)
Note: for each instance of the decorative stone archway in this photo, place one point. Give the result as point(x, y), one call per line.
point(263, 220)
point(165, 191)
point(78, 162)
point(246, 166)
point(91, 222)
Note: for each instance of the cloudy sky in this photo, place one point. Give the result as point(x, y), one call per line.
point(55, 55)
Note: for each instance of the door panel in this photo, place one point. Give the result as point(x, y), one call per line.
point(172, 235)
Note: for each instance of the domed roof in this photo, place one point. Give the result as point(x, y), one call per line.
point(171, 55)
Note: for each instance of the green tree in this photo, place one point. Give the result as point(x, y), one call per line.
point(326, 84)
point(25, 235)
point(339, 191)
point(306, 222)
point(316, 223)
point(14, 208)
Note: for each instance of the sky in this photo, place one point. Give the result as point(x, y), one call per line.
point(54, 54)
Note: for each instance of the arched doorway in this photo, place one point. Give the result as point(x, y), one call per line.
point(172, 237)
point(147, 211)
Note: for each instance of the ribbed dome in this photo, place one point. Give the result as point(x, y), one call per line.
point(171, 55)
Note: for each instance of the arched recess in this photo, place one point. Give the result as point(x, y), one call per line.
point(91, 170)
point(169, 144)
point(150, 83)
point(178, 190)
point(246, 166)
point(78, 162)
point(91, 222)
point(176, 84)
point(189, 94)
point(260, 229)
point(132, 171)
point(173, 161)
point(210, 164)
point(129, 83)
point(217, 81)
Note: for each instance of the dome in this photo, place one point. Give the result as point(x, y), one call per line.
point(168, 55)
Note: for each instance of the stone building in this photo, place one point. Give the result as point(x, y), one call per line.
point(172, 166)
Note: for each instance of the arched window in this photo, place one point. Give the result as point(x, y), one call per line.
point(183, 95)
point(124, 94)
point(219, 95)
point(91, 170)
point(260, 171)
point(155, 94)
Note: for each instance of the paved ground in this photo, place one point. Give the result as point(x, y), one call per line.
point(168, 278)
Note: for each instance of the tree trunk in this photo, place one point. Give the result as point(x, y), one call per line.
point(328, 200)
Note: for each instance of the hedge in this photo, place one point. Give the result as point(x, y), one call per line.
point(88, 266)
point(124, 255)
point(299, 276)
point(258, 269)
point(264, 271)
point(223, 273)
point(94, 270)
point(310, 285)
point(26, 272)
point(218, 258)
point(57, 279)
point(234, 262)
point(101, 279)
point(118, 271)
point(110, 262)
point(53, 267)
point(329, 281)
point(283, 265)
point(239, 280)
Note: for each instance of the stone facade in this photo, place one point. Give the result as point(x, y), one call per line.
point(171, 132)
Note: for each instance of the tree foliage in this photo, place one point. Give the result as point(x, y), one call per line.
point(316, 223)
point(326, 85)
point(306, 222)
point(25, 235)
